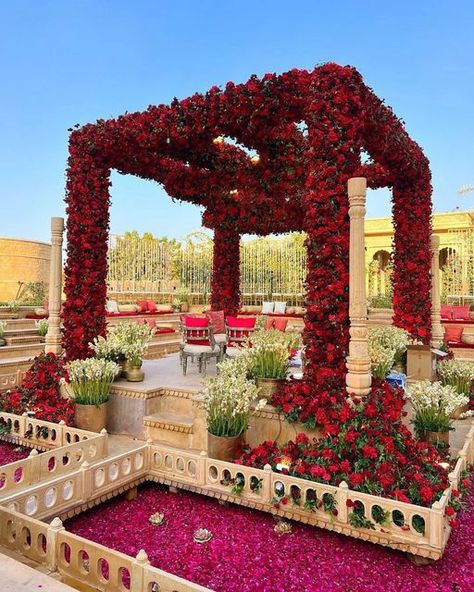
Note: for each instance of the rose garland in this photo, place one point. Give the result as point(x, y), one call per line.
point(309, 130)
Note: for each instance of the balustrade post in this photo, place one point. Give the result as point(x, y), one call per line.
point(137, 577)
point(267, 493)
point(437, 332)
point(53, 336)
point(52, 547)
point(342, 496)
point(105, 442)
point(35, 467)
point(436, 525)
point(202, 472)
point(358, 377)
point(86, 480)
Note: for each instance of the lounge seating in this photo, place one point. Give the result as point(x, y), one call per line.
point(237, 331)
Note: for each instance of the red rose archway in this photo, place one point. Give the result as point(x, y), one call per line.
point(309, 131)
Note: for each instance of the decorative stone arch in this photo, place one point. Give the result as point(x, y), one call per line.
point(297, 181)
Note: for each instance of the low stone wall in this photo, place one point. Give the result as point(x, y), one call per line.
point(22, 261)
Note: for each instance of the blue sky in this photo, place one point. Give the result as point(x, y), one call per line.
point(73, 61)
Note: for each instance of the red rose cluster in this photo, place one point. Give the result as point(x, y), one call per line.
point(367, 446)
point(40, 392)
point(294, 141)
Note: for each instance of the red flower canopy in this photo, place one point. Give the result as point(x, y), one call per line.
point(310, 131)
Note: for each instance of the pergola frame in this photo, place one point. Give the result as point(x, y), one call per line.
point(307, 132)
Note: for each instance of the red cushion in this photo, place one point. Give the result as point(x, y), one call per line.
point(280, 324)
point(217, 320)
point(453, 334)
point(247, 322)
point(446, 311)
point(196, 321)
point(269, 324)
point(142, 305)
point(461, 313)
point(151, 306)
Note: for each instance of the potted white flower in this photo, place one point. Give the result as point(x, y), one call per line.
point(108, 348)
point(228, 400)
point(269, 358)
point(434, 404)
point(90, 381)
point(391, 339)
point(132, 340)
point(381, 359)
point(460, 375)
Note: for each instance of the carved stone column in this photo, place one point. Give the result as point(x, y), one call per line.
point(358, 377)
point(437, 332)
point(53, 337)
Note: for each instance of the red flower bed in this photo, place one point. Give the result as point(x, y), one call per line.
point(310, 130)
point(367, 446)
point(246, 555)
point(40, 392)
point(11, 452)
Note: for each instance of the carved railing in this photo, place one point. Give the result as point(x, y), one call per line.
point(38, 468)
point(37, 433)
point(407, 527)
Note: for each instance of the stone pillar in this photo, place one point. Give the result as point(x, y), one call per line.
point(358, 377)
point(437, 332)
point(53, 337)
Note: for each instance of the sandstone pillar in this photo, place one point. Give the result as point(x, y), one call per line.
point(437, 332)
point(358, 377)
point(53, 337)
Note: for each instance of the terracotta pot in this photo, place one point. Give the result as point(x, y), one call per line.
point(435, 438)
point(268, 386)
point(134, 373)
point(90, 417)
point(224, 447)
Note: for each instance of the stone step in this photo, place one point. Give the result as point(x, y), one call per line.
point(18, 332)
point(18, 324)
point(14, 351)
point(165, 337)
point(169, 428)
point(162, 348)
point(23, 339)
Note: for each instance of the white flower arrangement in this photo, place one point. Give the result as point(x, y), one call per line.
point(228, 399)
point(269, 352)
point(381, 359)
point(41, 327)
point(90, 380)
point(457, 373)
point(433, 404)
point(128, 340)
point(390, 338)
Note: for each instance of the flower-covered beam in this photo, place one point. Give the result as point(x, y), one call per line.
point(271, 155)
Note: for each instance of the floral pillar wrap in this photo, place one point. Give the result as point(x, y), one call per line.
point(225, 282)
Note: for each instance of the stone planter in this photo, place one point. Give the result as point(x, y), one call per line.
point(134, 373)
point(435, 438)
point(226, 448)
point(268, 386)
point(90, 417)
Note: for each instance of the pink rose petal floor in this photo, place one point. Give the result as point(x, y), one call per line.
point(12, 452)
point(246, 555)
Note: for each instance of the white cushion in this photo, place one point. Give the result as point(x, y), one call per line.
point(234, 352)
point(199, 349)
point(128, 308)
point(111, 306)
point(220, 337)
point(280, 307)
point(267, 307)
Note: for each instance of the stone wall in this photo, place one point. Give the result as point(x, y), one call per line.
point(22, 261)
